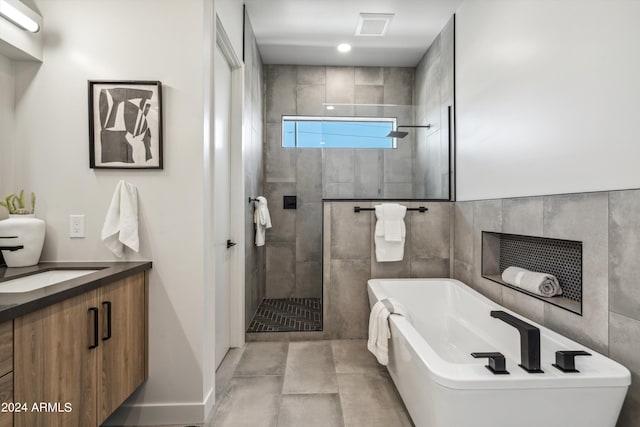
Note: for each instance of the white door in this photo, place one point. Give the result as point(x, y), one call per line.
point(222, 203)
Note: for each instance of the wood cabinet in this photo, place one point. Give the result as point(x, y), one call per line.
point(53, 363)
point(6, 371)
point(88, 351)
point(6, 348)
point(122, 362)
point(6, 395)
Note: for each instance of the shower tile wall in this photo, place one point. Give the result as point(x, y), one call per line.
point(608, 225)
point(349, 259)
point(255, 289)
point(294, 244)
point(434, 92)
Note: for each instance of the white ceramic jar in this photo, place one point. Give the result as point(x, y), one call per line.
point(30, 232)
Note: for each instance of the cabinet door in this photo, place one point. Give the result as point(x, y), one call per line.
point(6, 396)
point(122, 363)
point(6, 348)
point(54, 365)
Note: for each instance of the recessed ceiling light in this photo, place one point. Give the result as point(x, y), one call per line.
point(344, 47)
point(330, 107)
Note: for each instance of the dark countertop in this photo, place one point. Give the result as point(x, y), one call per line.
point(14, 305)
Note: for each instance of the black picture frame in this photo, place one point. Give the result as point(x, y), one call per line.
point(125, 124)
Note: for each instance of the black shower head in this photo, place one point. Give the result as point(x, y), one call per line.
point(400, 134)
point(397, 134)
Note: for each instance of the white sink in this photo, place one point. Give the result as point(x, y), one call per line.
point(40, 280)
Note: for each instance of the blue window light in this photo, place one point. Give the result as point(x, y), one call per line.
point(337, 132)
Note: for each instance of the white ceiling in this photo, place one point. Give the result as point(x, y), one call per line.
point(306, 32)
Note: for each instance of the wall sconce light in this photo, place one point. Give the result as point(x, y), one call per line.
point(16, 16)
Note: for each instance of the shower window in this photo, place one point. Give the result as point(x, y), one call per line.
point(337, 132)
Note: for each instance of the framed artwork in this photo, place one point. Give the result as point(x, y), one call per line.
point(125, 124)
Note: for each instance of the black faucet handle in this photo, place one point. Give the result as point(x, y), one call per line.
point(566, 359)
point(497, 364)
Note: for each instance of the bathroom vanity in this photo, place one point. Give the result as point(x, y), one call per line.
point(71, 352)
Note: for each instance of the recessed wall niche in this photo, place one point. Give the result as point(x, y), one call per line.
point(562, 258)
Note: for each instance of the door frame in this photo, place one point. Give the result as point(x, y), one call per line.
point(236, 199)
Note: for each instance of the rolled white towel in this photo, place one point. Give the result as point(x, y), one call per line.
point(543, 284)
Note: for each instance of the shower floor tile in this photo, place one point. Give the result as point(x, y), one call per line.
point(287, 314)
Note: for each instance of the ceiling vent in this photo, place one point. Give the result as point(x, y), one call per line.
point(373, 24)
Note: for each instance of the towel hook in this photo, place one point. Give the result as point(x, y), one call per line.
point(251, 199)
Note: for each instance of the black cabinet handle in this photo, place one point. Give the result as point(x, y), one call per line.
point(94, 310)
point(566, 359)
point(230, 244)
point(107, 304)
point(497, 364)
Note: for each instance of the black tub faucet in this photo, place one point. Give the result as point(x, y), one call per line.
point(529, 341)
point(10, 248)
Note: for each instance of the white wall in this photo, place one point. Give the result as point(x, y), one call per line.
point(230, 13)
point(7, 90)
point(138, 40)
point(547, 97)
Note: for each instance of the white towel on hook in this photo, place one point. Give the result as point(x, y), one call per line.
point(262, 219)
point(121, 224)
point(390, 232)
point(379, 331)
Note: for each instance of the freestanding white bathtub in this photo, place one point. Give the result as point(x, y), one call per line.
point(443, 386)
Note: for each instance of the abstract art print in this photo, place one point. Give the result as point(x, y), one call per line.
point(125, 124)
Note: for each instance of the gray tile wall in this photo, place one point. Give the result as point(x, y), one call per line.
point(349, 259)
point(608, 224)
point(294, 243)
point(255, 288)
point(433, 95)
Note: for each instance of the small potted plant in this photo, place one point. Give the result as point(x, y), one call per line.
point(21, 229)
point(15, 204)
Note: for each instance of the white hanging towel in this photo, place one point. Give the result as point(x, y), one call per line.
point(262, 219)
point(379, 331)
point(121, 224)
point(390, 232)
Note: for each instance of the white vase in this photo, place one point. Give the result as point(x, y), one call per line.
point(30, 232)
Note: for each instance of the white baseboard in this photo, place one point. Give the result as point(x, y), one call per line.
point(163, 414)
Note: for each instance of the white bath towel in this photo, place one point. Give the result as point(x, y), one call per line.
point(543, 284)
point(121, 224)
point(262, 219)
point(379, 331)
point(390, 232)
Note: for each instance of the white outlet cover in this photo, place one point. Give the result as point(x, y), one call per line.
point(76, 226)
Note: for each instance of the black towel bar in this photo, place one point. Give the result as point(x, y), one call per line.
point(420, 209)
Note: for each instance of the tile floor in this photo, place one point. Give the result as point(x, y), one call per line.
point(306, 384)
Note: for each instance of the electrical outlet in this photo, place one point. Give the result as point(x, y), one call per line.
point(76, 226)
